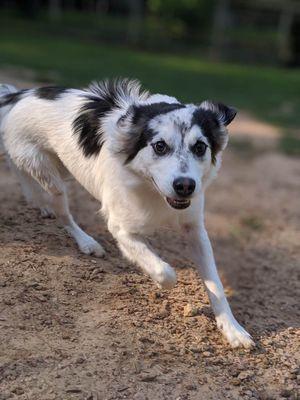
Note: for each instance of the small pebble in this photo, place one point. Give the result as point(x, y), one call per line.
point(190, 311)
point(18, 391)
point(285, 393)
point(148, 377)
point(236, 382)
point(245, 375)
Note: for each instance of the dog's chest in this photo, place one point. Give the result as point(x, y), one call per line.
point(139, 211)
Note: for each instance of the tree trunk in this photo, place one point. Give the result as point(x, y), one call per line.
point(29, 8)
point(221, 21)
point(135, 20)
point(285, 34)
point(55, 9)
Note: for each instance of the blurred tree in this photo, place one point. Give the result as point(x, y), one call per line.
point(29, 8)
point(101, 5)
point(289, 34)
point(135, 20)
point(221, 22)
point(295, 42)
point(185, 17)
point(284, 32)
point(55, 9)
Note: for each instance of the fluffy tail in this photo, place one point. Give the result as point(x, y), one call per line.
point(7, 89)
point(6, 95)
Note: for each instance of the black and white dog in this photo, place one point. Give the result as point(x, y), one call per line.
point(147, 158)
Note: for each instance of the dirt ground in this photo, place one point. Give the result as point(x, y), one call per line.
point(77, 327)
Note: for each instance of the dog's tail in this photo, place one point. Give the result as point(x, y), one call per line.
point(6, 89)
point(7, 97)
point(7, 94)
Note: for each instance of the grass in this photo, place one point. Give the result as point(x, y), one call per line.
point(271, 94)
point(290, 144)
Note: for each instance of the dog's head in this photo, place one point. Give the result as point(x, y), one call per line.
point(175, 146)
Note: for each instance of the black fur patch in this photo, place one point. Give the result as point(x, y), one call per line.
point(227, 113)
point(49, 92)
point(103, 97)
point(141, 117)
point(149, 111)
point(87, 124)
point(210, 126)
point(134, 146)
point(11, 98)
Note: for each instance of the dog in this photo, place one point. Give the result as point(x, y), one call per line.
point(148, 159)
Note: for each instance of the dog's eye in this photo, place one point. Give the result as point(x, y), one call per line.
point(199, 148)
point(161, 148)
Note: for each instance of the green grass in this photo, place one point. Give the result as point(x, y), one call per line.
point(290, 144)
point(269, 93)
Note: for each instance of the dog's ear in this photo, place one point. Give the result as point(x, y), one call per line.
point(225, 114)
point(125, 120)
point(129, 136)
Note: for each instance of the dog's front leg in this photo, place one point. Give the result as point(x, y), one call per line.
point(202, 253)
point(138, 252)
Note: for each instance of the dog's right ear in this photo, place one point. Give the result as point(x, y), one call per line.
point(225, 114)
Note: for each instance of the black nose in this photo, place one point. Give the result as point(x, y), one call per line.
point(184, 187)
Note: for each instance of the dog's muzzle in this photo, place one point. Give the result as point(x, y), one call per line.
point(178, 204)
point(184, 188)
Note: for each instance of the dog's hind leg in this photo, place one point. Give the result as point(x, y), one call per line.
point(86, 243)
point(34, 194)
point(52, 192)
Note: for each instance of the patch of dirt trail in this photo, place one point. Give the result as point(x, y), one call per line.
point(77, 327)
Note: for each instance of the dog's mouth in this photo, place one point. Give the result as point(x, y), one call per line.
point(178, 204)
point(174, 203)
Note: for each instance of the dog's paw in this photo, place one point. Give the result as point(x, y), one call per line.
point(91, 247)
point(166, 277)
point(235, 334)
point(47, 212)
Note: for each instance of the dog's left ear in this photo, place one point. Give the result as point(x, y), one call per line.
point(128, 136)
point(125, 120)
point(225, 114)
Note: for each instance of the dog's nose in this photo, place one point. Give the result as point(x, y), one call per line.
point(183, 186)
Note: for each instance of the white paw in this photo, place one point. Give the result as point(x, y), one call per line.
point(47, 212)
point(236, 335)
point(90, 246)
point(166, 277)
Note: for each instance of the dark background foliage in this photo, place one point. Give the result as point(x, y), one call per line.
point(241, 52)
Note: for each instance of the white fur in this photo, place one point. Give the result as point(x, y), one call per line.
point(39, 139)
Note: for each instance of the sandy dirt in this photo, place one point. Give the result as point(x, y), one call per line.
point(77, 327)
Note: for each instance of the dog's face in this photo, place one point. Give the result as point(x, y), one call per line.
point(175, 146)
